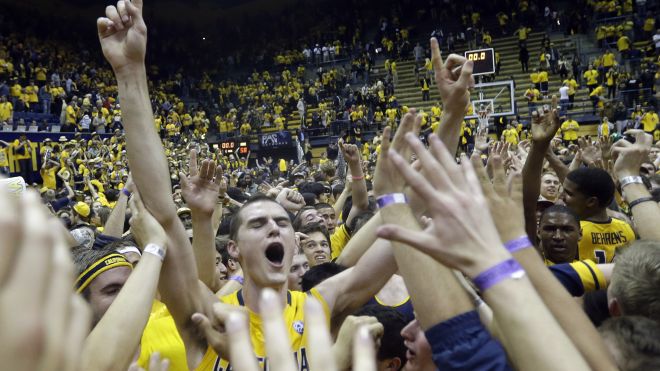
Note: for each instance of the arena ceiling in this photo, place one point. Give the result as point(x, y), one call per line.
point(177, 11)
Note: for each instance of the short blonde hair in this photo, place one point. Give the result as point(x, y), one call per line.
point(636, 279)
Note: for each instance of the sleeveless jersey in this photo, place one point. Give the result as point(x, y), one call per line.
point(294, 318)
point(600, 240)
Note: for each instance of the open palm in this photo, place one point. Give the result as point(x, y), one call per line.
point(201, 187)
point(123, 34)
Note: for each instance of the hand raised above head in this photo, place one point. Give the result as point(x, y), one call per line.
point(545, 122)
point(453, 78)
point(463, 235)
point(201, 187)
point(123, 35)
point(386, 176)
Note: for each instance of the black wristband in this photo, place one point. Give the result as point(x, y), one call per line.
point(639, 201)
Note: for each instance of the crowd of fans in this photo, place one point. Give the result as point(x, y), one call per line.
point(148, 248)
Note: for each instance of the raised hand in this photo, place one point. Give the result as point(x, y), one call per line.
point(44, 322)
point(481, 140)
point(201, 187)
point(463, 235)
point(545, 122)
point(351, 152)
point(605, 145)
point(290, 200)
point(123, 35)
point(631, 156)
point(386, 176)
point(453, 85)
point(504, 198)
point(590, 153)
point(214, 329)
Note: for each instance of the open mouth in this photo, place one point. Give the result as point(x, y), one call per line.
point(275, 253)
point(321, 258)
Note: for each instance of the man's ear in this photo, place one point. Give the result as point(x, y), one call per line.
point(232, 248)
point(390, 364)
point(614, 308)
point(592, 202)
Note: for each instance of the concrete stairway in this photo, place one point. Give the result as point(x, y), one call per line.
point(408, 91)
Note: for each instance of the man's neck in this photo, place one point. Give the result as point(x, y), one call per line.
point(598, 216)
point(252, 293)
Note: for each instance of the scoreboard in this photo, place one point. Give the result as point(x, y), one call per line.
point(483, 59)
point(230, 146)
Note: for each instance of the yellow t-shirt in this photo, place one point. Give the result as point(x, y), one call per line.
point(160, 335)
point(650, 121)
point(543, 76)
point(605, 129)
point(294, 318)
point(572, 86)
point(591, 76)
point(3, 157)
point(533, 94)
point(569, 129)
point(608, 60)
point(48, 177)
point(6, 110)
point(597, 91)
point(600, 240)
point(510, 136)
point(535, 78)
point(623, 43)
point(338, 241)
point(70, 115)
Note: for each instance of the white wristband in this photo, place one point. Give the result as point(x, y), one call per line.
point(154, 249)
point(630, 180)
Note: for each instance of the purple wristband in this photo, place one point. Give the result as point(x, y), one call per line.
point(238, 279)
point(498, 273)
point(391, 198)
point(518, 244)
point(126, 192)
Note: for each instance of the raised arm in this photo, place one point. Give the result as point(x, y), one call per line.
point(341, 200)
point(470, 243)
point(124, 46)
point(69, 191)
point(358, 244)
point(90, 186)
point(544, 127)
point(430, 307)
point(453, 78)
point(124, 321)
point(358, 185)
point(645, 210)
point(559, 167)
point(114, 226)
point(200, 191)
point(504, 203)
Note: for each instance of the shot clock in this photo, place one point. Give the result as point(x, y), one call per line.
point(483, 59)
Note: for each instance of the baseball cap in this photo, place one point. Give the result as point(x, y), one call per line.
point(82, 209)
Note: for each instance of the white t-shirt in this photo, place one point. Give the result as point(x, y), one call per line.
point(656, 41)
point(563, 93)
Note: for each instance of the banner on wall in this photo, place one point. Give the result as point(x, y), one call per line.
point(275, 140)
